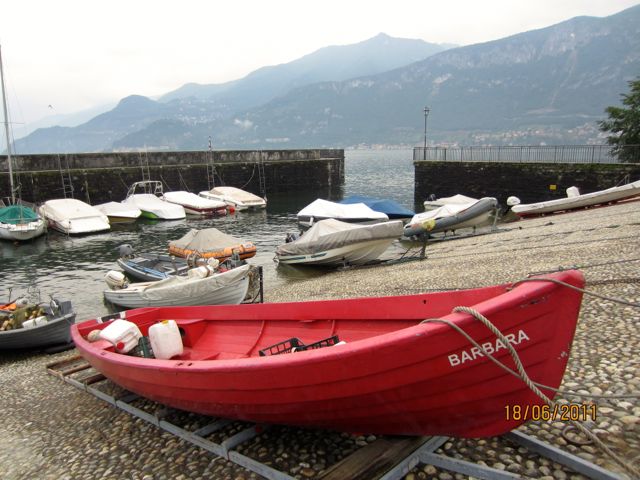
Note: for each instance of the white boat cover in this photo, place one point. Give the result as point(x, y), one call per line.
point(331, 233)
point(185, 287)
point(205, 240)
point(188, 199)
point(325, 209)
point(236, 194)
point(119, 209)
point(150, 203)
point(456, 200)
point(444, 211)
point(70, 209)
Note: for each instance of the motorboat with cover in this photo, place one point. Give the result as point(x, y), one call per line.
point(73, 217)
point(30, 325)
point(202, 286)
point(390, 208)
point(452, 217)
point(119, 212)
point(235, 198)
point(196, 205)
point(380, 365)
point(352, 213)
point(210, 243)
point(146, 196)
point(575, 200)
point(19, 223)
point(334, 243)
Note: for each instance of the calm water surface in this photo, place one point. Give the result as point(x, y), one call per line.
point(74, 267)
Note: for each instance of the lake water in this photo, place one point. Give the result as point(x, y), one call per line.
point(74, 267)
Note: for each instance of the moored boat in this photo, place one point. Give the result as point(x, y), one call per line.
point(575, 200)
point(211, 243)
point(334, 243)
point(146, 195)
point(390, 208)
point(73, 217)
point(48, 326)
point(119, 212)
point(360, 365)
point(352, 213)
point(20, 223)
point(196, 205)
point(213, 288)
point(451, 217)
point(149, 267)
point(235, 198)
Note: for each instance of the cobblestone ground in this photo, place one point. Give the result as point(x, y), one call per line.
point(51, 430)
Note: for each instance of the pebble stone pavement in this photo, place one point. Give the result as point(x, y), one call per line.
point(50, 430)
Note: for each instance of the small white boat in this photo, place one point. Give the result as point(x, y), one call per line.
point(201, 286)
point(235, 197)
point(119, 212)
point(452, 217)
point(333, 243)
point(574, 200)
point(20, 223)
point(73, 217)
point(351, 213)
point(195, 204)
point(146, 196)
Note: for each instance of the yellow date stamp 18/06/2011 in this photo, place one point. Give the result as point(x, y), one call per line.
point(565, 412)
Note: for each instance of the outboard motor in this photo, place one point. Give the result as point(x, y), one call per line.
point(116, 280)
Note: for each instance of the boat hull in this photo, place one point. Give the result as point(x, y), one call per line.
point(152, 267)
point(22, 232)
point(477, 214)
point(55, 332)
point(394, 374)
point(602, 197)
point(355, 254)
point(228, 294)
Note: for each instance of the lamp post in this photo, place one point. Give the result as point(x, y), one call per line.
point(426, 114)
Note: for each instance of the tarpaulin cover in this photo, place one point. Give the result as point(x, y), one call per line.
point(389, 207)
point(325, 209)
point(331, 233)
point(208, 239)
point(16, 214)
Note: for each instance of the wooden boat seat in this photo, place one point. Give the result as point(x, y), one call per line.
point(191, 354)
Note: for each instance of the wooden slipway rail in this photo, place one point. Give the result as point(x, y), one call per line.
point(387, 458)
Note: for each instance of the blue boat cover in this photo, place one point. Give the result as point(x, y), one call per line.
point(391, 208)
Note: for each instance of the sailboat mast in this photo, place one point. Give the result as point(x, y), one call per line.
point(6, 131)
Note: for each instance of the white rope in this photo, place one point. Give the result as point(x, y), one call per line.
point(523, 375)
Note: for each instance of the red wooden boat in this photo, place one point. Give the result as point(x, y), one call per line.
point(394, 375)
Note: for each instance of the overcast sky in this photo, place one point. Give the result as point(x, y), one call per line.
point(63, 56)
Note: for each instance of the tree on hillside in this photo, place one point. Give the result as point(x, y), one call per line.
point(624, 124)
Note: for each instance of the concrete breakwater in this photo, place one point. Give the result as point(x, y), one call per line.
point(530, 182)
point(101, 177)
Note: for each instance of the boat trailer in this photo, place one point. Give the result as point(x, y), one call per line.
point(387, 458)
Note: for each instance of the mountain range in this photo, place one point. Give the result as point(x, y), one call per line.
point(546, 86)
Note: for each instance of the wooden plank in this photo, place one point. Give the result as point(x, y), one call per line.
point(374, 460)
point(63, 361)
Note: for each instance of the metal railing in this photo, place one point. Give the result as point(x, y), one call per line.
point(531, 154)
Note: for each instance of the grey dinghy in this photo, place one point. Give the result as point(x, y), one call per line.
point(334, 243)
point(55, 331)
point(149, 267)
point(451, 217)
